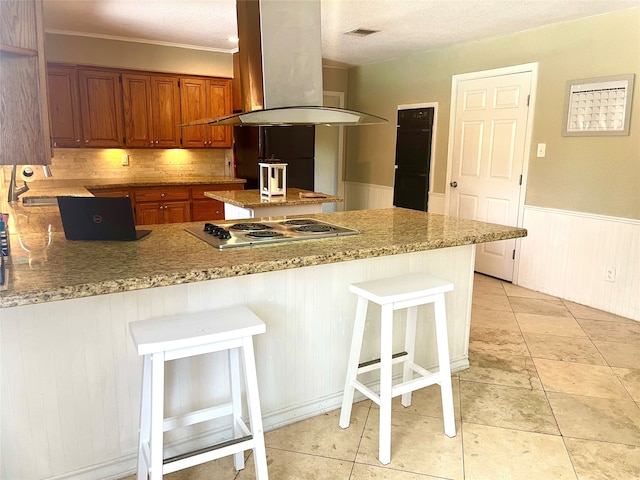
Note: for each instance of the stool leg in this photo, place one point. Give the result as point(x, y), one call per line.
point(236, 402)
point(445, 367)
point(386, 351)
point(145, 420)
point(410, 348)
point(354, 360)
point(157, 415)
point(255, 416)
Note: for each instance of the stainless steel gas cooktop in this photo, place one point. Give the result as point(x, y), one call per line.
point(242, 234)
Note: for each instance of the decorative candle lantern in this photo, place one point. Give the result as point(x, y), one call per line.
point(273, 179)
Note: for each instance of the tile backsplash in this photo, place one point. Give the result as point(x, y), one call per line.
point(76, 163)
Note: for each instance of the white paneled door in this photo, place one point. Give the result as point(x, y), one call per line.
point(487, 160)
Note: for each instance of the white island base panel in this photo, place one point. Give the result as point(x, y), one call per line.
point(71, 378)
point(233, 211)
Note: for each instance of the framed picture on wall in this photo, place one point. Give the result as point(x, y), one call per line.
point(598, 106)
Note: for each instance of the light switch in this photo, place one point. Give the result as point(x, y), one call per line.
point(542, 150)
point(125, 160)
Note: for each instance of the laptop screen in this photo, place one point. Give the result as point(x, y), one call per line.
point(98, 218)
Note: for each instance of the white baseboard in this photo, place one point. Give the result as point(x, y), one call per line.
point(566, 253)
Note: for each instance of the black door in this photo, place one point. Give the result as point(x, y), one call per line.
point(413, 158)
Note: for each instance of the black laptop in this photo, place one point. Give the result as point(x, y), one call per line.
point(98, 218)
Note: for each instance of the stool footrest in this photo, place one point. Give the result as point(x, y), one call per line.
point(206, 454)
point(377, 360)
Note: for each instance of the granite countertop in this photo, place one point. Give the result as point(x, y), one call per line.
point(53, 187)
point(46, 267)
point(253, 199)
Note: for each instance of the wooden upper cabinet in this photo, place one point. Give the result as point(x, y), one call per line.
point(24, 115)
point(64, 106)
point(219, 105)
point(101, 107)
point(205, 98)
point(151, 110)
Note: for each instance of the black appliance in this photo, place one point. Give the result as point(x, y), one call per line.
point(413, 158)
point(293, 145)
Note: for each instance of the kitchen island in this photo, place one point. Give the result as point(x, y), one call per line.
point(71, 376)
point(251, 204)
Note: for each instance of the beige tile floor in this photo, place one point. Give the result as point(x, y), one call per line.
point(553, 392)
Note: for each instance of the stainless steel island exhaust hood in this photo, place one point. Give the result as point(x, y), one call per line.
point(281, 68)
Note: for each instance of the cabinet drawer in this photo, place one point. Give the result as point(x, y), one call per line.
point(197, 192)
point(157, 194)
point(205, 210)
point(110, 192)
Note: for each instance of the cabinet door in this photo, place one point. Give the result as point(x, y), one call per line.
point(149, 213)
point(136, 99)
point(219, 105)
point(193, 107)
point(176, 212)
point(101, 106)
point(24, 116)
point(165, 106)
point(204, 210)
point(64, 106)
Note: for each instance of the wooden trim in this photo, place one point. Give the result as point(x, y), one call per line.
point(27, 52)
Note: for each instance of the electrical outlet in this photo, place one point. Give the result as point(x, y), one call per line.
point(610, 274)
point(125, 160)
point(542, 150)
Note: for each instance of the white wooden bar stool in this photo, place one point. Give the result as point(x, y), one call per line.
point(407, 291)
point(170, 338)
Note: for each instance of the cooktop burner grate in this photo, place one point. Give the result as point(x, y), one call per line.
point(264, 234)
point(300, 221)
point(250, 226)
point(315, 229)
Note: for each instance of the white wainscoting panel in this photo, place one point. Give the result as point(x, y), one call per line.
point(436, 203)
point(566, 254)
point(367, 196)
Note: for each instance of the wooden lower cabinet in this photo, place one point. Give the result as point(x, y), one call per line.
point(204, 208)
point(172, 203)
point(153, 213)
point(164, 204)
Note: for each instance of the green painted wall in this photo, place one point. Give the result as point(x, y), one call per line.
point(598, 175)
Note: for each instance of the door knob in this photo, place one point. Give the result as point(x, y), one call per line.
point(454, 184)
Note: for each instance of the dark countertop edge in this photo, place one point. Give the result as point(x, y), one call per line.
point(70, 292)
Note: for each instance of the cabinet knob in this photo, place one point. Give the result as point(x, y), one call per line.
point(86, 141)
point(162, 194)
point(151, 142)
point(77, 140)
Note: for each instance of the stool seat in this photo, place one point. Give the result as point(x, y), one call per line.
point(403, 292)
point(160, 340)
point(400, 289)
point(180, 331)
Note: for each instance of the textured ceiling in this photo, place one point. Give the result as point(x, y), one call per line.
point(406, 26)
